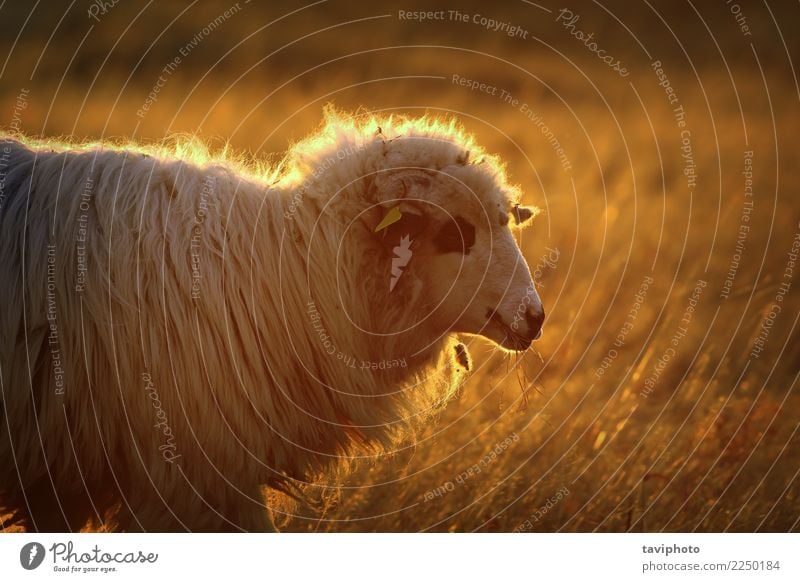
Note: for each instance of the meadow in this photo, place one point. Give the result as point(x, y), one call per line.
point(663, 395)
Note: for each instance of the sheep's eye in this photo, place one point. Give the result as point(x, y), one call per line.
point(457, 236)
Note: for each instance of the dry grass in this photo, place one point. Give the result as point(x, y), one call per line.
point(713, 447)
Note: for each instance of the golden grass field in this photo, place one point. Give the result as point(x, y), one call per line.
point(684, 429)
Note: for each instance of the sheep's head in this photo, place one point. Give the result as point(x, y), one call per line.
point(447, 234)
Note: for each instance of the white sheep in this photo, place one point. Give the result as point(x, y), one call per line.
point(180, 330)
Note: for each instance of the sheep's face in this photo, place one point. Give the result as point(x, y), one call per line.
point(448, 232)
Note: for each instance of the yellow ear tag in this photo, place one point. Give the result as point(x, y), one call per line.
point(391, 217)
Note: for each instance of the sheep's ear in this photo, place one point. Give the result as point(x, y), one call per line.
point(398, 222)
point(523, 214)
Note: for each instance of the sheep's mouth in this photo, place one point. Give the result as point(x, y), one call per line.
point(511, 340)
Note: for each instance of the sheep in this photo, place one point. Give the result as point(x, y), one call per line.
point(183, 332)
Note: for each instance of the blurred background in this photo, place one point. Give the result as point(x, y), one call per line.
point(659, 138)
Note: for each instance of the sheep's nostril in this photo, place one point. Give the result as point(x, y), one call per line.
point(535, 320)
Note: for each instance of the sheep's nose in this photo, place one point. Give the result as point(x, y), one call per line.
point(535, 319)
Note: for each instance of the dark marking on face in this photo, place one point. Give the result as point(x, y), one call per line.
point(410, 225)
point(503, 219)
point(456, 236)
